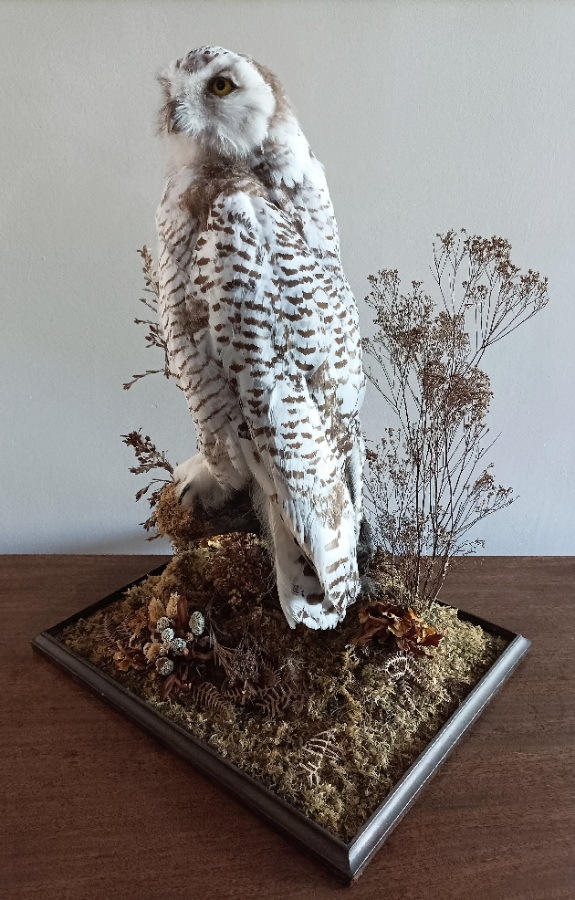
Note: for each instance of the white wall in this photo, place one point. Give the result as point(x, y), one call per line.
point(427, 115)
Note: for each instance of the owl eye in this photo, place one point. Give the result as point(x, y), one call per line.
point(221, 86)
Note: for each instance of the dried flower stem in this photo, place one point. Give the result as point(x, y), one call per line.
point(428, 486)
point(154, 335)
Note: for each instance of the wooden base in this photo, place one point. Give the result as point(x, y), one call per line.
point(347, 861)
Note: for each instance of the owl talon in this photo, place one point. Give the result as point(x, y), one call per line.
point(196, 487)
point(183, 493)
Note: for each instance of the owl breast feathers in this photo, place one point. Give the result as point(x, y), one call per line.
point(261, 325)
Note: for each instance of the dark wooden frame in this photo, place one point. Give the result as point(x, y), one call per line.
point(347, 861)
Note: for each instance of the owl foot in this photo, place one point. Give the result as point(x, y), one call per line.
point(196, 486)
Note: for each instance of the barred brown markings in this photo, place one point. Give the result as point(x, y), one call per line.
point(337, 581)
point(215, 429)
point(242, 345)
point(223, 339)
point(188, 359)
point(206, 399)
point(214, 413)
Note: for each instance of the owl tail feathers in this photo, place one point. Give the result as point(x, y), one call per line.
point(302, 595)
point(309, 608)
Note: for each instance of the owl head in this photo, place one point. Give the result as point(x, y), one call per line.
point(221, 102)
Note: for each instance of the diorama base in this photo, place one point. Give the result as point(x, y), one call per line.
point(346, 860)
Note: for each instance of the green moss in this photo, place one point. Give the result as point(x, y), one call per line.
point(372, 710)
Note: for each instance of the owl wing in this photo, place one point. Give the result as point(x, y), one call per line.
point(281, 325)
point(185, 316)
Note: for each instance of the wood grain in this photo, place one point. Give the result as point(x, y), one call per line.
point(94, 808)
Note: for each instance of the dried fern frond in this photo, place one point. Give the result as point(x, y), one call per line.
point(105, 635)
point(409, 679)
point(400, 666)
point(276, 698)
point(315, 752)
point(207, 696)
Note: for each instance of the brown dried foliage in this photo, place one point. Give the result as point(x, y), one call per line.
point(154, 333)
point(149, 459)
point(409, 631)
point(242, 569)
point(428, 483)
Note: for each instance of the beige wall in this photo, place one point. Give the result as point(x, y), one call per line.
point(427, 115)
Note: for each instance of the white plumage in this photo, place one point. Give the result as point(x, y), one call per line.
point(261, 324)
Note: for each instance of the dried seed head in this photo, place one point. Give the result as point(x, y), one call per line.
point(197, 623)
point(164, 665)
point(163, 623)
point(172, 607)
point(155, 611)
point(178, 645)
point(167, 635)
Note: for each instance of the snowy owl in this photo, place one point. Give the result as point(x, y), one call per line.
point(261, 325)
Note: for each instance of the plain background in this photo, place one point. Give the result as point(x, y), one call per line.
point(427, 116)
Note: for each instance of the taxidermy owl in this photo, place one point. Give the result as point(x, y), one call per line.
point(261, 325)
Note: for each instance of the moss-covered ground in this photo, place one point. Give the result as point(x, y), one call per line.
point(327, 724)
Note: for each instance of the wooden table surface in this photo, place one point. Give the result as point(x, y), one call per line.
point(93, 807)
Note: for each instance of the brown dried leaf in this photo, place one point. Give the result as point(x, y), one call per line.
point(409, 630)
